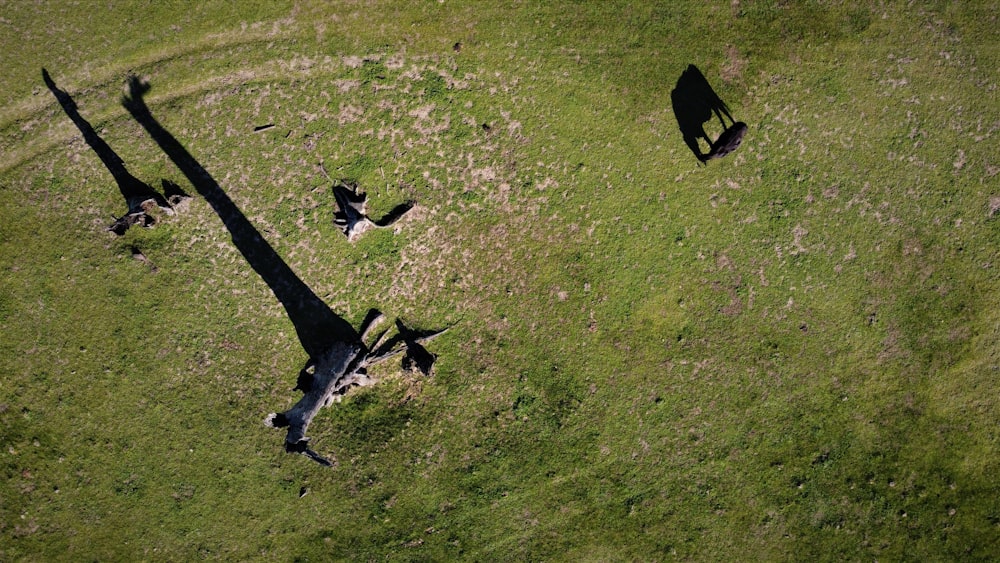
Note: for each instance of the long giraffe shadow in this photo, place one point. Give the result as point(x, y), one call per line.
point(139, 196)
point(694, 101)
point(338, 356)
point(315, 323)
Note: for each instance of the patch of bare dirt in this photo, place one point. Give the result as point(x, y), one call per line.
point(732, 69)
point(350, 113)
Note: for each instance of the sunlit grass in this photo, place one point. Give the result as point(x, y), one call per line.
point(789, 353)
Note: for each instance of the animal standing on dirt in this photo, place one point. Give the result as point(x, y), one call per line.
point(352, 215)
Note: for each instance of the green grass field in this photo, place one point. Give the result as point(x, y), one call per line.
point(791, 353)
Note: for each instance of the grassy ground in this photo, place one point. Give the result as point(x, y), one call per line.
point(788, 354)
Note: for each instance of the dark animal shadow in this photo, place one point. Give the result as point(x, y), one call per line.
point(416, 358)
point(694, 101)
point(338, 356)
point(316, 325)
point(352, 216)
point(139, 196)
point(173, 192)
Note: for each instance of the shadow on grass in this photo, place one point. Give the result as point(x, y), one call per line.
point(338, 356)
point(138, 195)
point(351, 216)
point(317, 326)
point(694, 101)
